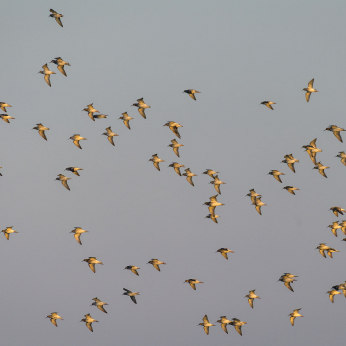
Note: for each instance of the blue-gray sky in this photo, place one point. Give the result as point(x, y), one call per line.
point(238, 54)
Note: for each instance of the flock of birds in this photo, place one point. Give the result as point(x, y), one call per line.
point(286, 278)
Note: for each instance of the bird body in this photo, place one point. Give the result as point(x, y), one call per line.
point(206, 324)
point(176, 167)
point(133, 269)
point(251, 296)
point(99, 304)
point(276, 174)
point(88, 321)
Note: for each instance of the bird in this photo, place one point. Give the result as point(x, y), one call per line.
point(294, 314)
point(141, 106)
point(223, 251)
point(206, 324)
point(155, 262)
point(290, 189)
point(323, 247)
point(74, 170)
point(41, 130)
point(173, 126)
point(53, 317)
point(212, 204)
point(77, 233)
point(175, 145)
point(310, 90)
point(76, 138)
point(63, 180)
point(193, 283)
point(133, 269)
point(88, 321)
point(224, 321)
point(251, 296)
point(191, 93)
point(189, 176)
point(336, 130)
point(99, 304)
point(268, 104)
point(7, 231)
point(46, 73)
point(210, 172)
point(332, 293)
point(91, 110)
point(126, 119)
point(217, 182)
point(290, 160)
point(3, 106)
point(312, 150)
point(212, 217)
point(6, 117)
point(337, 210)
point(237, 325)
point(321, 168)
point(342, 156)
point(287, 281)
point(130, 294)
point(110, 134)
point(334, 227)
point(258, 203)
point(252, 194)
point(156, 160)
point(92, 261)
point(58, 61)
point(176, 167)
point(276, 174)
point(57, 16)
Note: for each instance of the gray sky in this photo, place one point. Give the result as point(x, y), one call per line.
point(238, 54)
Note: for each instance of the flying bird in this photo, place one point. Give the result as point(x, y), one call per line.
point(92, 261)
point(290, 189)
point(74, 170)
point(88, 321)
point(276, 174)
point(133, 269)
point(141, 107)
point(193, 283)
point(57, 16)
point(77, 233)
point(211, 173)
point(61, 63)
point(99, 304)
point(175, 145)
point(176, 167)
point(130, 294)
point(312, 150)
point(40, 128)
point(53, 317)
point(189, 176)
point(63, 180)
point(336, 130)
point(191, 93)
point(310, 90)
point(3, 106)
point(237, 325)
point(110, 134)
point(251, 296)
point(91, 110)
point(337, 211)
point(217, 182)
point(258, 203)
point(156, 160)
point(126, 119)
point(76, 138)
point(268, 104)
point(7, 231)
point(223, 251)
point(321, 168)
point(155, 262)
point(46, 73)
point(173, 126)
point(206, 324)
point(6, 117)
point(290, 160)
point(342, 156)
point(294, 314)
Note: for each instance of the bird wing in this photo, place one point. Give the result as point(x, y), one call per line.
point(291, 166)
point(322, 253)
point(177, 169)
point(133, 298)
point(212, 211)
point(206, 329)
point(110, 139)
point(205, 318)
point(307, 96)
point(224, 327)
point(42, 134)
point(238, 329)
point(189, 179)
point(76, 143)
point(7, 235)
point(77, 237)
point(311, 83)
point(217, 188)
point(250, 300)
point(92, 267)
point(288, 285)
point(88, 324)
point(224, 254)
point(156, 266)
point(127, 124)
point(135, 271)
point(47, 79)
point(277, 177)
point(102, 308)
point(156, 164)
point(175, 131)
point(192, 285)
point(322, 173)
point(141, 112)
point(258, 208)
point(53, 320)
point(64, 182)
point(62, 70)
point(176, 151)
point(292, 320)
point(269, 106)
point(91, 116)
point(337, 135)
point(192, 96)
point(331, 297)
point(58, 21)
point(51, 10)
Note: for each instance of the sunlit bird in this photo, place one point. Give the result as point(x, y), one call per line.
point(61, 63)
point(321, 168)
point(110, 134)
point(224, 251)
point(126, 119)
point(92, 261)
point(310, 90)
point(193, 283)
point(53, 317)
point(206, 324)
point(191, 93)
point(189, 176)
point(141, 107)
point(156, 160)
point(290, 160)
point(63, 180)
point(173, 126)
point(76, 138)
point(7, 231)
point(57, 16)
point(6, 118)
point(99, 304)
point(133, 269)
point(175, 145)
point(131, 294)
point(3, 106)
point(294, 314)
point(155, 262)
point(88, 321)
point(237, 325)
point(337, 210)
point(176, 167)
point(74, 170)
point(40, 128)
point(77, 233)
point(290, 189)
point(251, 296)
point(276, 174)
point(46, 73)
point(268, 104)
point(336, 130)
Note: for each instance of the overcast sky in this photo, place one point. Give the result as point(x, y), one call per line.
point(237, 54)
